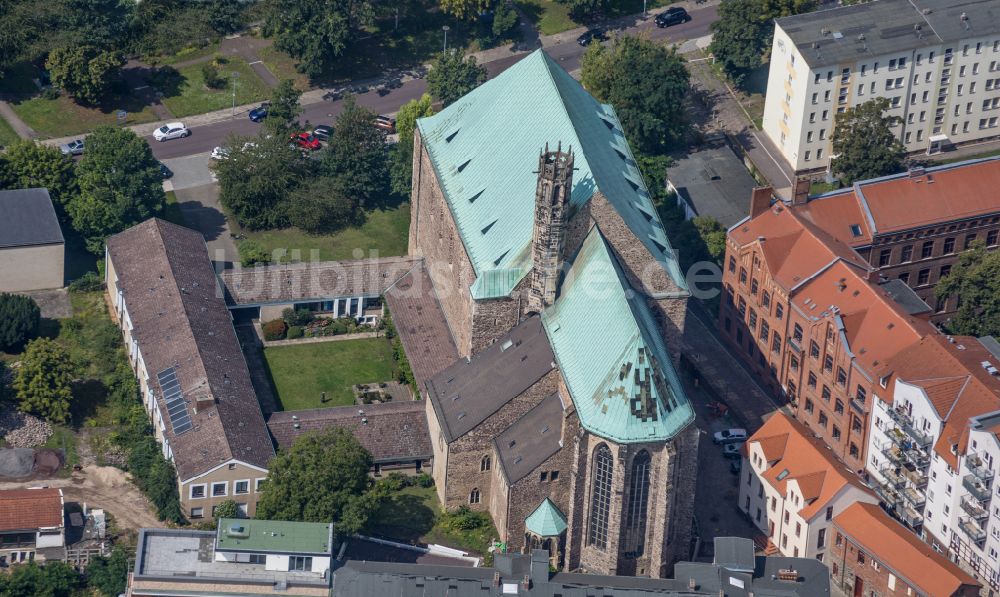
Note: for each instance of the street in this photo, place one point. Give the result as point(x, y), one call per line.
point(567, 53)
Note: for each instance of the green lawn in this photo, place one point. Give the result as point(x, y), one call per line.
point(7, 134)
point(818, 188)
point(552, 16)
point(301, 373)
point(413, 515)
point(185, 93)
point(172, 211)
point(283, 67)
point(186, 54)
point(384, 231)
point(63, 117)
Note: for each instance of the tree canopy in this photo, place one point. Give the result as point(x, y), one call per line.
point(464, 9)
point(976, 280)
point(742, 36)
point(646, 83)
point(315, 32)
point(85, 72)
point(32, 164)
point(43, 382)
point(323, 477)
point(54, 579)
point(283, 113)
point(120, 186)
point(357, 156)
point(19, 319)
point(864, 143)
point(109, 574)
point(453, 75)
point(401, 162)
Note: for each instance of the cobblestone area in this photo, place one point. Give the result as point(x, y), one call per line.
point(20, 430)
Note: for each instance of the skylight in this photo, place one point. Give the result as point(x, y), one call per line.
point(781, 476)
point(855, 230)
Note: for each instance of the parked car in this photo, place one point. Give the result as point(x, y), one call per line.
point(323, 132)
point(74, 147)
point(731, 451)
point(736, 466)
point(386, 124)
point(675, 15)
point(591, 35)
point(260, 112)
point(171, 130)
point(165, 172)
point(306, 141)
point(219, 153)
point(729, 436)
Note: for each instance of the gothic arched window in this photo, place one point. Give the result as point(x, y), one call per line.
point(638, 497)
point(474, 496)
point(484, 464)
point(600, 497)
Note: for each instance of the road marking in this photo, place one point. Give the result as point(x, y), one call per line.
point(141, 87)
point(255, 62)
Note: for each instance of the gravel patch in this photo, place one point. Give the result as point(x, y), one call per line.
point(21, 430)
point(16, 462)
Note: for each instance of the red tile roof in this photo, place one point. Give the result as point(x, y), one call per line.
point(22, 509)
point(896, 548)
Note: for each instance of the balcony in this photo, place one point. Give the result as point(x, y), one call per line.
point(858, 406)
point(917, 478)
point(975, 465)
point(910, 516)
point(904, 454)
point(892, 478)
point(974, 510)
point(905, 422)
point(972, 530)
point(978, 489)
point(888, 495)
point(914, 497)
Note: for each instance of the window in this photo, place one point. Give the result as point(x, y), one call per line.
point(853, 450)
point(825, 392)
point(822, 419)
point(884, 257)
point(838, 407)
point(949, 245)
point(905, 277)
point(635, 516)
point(752, 320)
point(813, 349)
point(258, 558)
point(779, 311)
point(241, 487)
point(861, 557)
point(732, 264)
point(301, 563)
point(776, 343)
point(860, 394)
point(258, 485)
point(969, 239)
point(484, 464)
point(742, 307)
point(841, 376)
point(219, 489)
point(907, 255)
point(836, 433)
point(991, 237)
point(765, 330)
point(811, 382)
point(600, 499)
point(197, 491)
point(474, 495)
point(809, 406)
point(753, 286)
point(945, 270)
point(765, 300)
point(743, 276)
point(828, 363)
point(794, 363)
point(197, 512)
point(927, 249)
point(819, 154)
point(923, 276)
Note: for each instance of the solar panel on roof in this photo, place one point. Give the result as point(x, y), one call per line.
point(173, 399)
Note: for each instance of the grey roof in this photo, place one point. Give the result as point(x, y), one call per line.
point(713, 182)
point(506, 577)
point(391, 432)
point(735, 553)
point(990, 343)
point(829, 37)
point(180, 321)
point(530, 440)
point(27, 218)
point(472, 389)
point(905, 297)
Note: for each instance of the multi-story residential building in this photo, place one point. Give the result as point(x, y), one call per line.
point(913, 226)
point(240, 557)
point(874, 555)
point(933, 447)
point(800, 309)
point(32, 525)
point(936, 61)
point(192, 376)
point(791, 487)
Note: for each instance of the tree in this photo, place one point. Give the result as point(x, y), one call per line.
point(85, 72)
point(712, 234)
point(19, 319)
point(504, 19)
point(865, 144)
point(464, 9)
point(54, 579)
point(256, 178)
point(322, 206)
point(742, 36)
point(975, 279)
point(315, 32)
point(283, 113)
point(225, 16)
point(120, 186)
point(586, 11)
point(252, 254)
point(358, 155)
point(646, 83)
point(323, 477)
point(453, 75)
point(226, 509)
point(43, 381)
point(401, 158)
point(109, 574)
point(32, 164)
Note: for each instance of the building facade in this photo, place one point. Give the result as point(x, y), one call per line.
point(31, 242)
point(32, 526)
point(936, 62)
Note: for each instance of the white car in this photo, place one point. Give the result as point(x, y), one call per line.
point(730, 436)
point(219, 153)
point(171, 130)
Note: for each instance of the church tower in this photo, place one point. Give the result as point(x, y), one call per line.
point(555, 183)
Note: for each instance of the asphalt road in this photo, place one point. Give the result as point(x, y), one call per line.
point(567, 54)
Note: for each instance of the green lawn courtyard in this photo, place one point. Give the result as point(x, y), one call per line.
point(302, 372)
point(552, 16)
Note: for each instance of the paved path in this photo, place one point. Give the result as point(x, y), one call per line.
point(20, 127)
point(203, 212)
point(260, 377)
point(136, 75)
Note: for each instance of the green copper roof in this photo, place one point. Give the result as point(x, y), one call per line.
point(485, 149)
point(546, 521)
point(611, 353)
point(279, 536)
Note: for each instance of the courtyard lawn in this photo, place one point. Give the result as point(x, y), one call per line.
point(185, 93)
point(301, 373)
point(63, 117)
point(7, 134)
point(552, 16)
point(413, 515)
point(384, 231)
point(283, 67)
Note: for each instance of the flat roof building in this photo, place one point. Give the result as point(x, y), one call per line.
point(31, 242)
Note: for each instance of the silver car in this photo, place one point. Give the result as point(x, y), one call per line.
point(74, 147)
point(171, 130)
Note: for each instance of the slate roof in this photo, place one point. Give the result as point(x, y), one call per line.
point(904, 296)
point(547, 520)
point(829, 37)
point(484, 149)
point(24, 509)
point(180, 321)
point(531, 440)
point(309, 281)
point(470, 390)
point(713, 182)
point(611, 353)
point(27, 218)
point(392, 432)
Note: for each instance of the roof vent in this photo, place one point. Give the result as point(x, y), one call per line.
point(364, 421)
point(788, 574)
point(916, 172)
point(464, 164)
point(488, 226)
point(296, 426)
point(824, 31)
point(476, 196)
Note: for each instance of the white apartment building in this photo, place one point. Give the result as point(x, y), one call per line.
point(933, 448)
point(792, 486)
point(937, 62)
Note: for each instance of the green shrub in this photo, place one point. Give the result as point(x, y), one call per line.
point(251, 254)
point(275, 329)
point(464, 519)
point(294, 331)
point(299, 317)
point(424, 480)
point(226, 509)
point(88, 282)
point(211, 76)
point(51, 93)
point(19, 318)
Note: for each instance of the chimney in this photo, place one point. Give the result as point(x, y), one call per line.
point(692, 584)
point(555, 182)
point(800, 194)
point(203, 402)
point(760, 200)
point(496, 578)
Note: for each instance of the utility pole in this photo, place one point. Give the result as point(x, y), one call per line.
point(234, 75)
point(644, 9)
point(445, 28)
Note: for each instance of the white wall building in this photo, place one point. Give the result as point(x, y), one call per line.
point(792, 486)
point(937, 61)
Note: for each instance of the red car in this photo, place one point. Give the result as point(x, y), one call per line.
point(306, 141)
